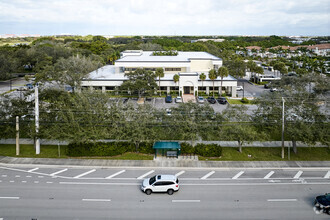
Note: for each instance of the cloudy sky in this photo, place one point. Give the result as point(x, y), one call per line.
point(165, 17)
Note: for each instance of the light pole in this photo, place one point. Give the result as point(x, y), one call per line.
point(36, 99)
point(283, 101)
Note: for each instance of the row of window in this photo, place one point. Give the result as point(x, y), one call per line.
point(163, 88)
point(154, 69)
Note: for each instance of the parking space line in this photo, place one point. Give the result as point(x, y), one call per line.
point(146, 174)
point(34, 169)
point(180, 173)
point(281, 200)
point(9, 197)
point(61, 171)
point(298, 174)
point(186, 200)
point(115, 174)
point(97, 200)
point(269, 175)
point(238, 175)
point(327, 175)
point(207, 175)
point(84, 174)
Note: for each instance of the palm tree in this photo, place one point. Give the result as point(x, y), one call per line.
point(159, 73)
point(213, 75)
point(176, 78)
point(222, 72)
point(202, 77)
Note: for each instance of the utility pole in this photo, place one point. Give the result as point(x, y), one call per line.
point(283, 101)
point(36, 99)
point(17, 135)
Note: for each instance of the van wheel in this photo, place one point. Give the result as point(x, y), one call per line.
point(328, 211)
point(170, 191)
point(148, 191)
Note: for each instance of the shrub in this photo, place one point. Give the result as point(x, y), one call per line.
point(187, 148)
point(244, 100)
point(208, 150)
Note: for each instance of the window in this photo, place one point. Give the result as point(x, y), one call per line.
point(158, 184)
point(172, 69)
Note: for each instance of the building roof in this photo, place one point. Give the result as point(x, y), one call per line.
point(183, 56)
point(166, 145)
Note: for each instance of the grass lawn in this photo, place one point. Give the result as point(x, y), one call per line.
point(237, 102)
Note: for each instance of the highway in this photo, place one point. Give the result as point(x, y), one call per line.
point(57, 192)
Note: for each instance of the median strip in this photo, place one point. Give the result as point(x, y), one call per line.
point(146, 174)
point(84, 174)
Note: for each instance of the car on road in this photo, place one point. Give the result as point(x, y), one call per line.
point(322, 203)
point(239, 88)
point(222, 100)
point(211, 100)
point(200, 99)
point(273, 89)
point(160, 183)
point(168, 99)
point(178, 99)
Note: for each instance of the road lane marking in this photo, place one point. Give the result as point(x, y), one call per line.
point(61, 171)
point(84, 174)
point(36, 181)
point(28, 176)
point(40, 176)
point(269, 175)
point(207, 175)
point(327, 176)
point(23, 181)
point(11, 181)
point(49, 182)
point(180, 173)
point(17, 176)
point(115, 174)
point(298, 174)
point(97, 200)
point(146, 174)
point(186, 200)
point(87, 183)
point(9, 197)
point(34, 169)
point(238, 175)
point(281, 200)
point(3, 175)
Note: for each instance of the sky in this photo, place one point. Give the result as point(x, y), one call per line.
point(166, 17)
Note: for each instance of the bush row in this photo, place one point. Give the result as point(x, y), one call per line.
point(205, 150)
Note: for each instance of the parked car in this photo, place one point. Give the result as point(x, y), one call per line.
point(211, 100)
point(168, 99)
point(239, 88)
point(168, 112)
point(178, 99)
point(200, 99)
point(160, 183)
point(322, 203)
point(29, 86)
point(222, 100)
point(273, 89)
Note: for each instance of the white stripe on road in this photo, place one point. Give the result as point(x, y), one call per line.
point(61, 171)
point(84, 174)
point(327, 176)
point(11, 181)
point(89, 183)
point(49, 182)
point(269, 175)
point(298, 174)
point(207, 175)
point(238, 175)
point(34, 169)
point(180, 173)
point(17, 176)
point(115, 174)
point(186, 200)
point(9, 197)
point(146, 174)
point(23, 181)
point(281, 200)
point(3, 175)
point(97, 200)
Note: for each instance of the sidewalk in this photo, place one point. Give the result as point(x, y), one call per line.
point(168, 163)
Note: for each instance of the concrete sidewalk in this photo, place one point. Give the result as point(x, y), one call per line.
point(164, 163)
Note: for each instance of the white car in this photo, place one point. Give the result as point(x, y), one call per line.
point(160, 183)
point(239, 88)
point(178, 99)
point(200, 99)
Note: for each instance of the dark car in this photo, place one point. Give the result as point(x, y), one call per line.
point(322, 203)
point(168, 99)
point(211, 100)
point(29, 86)
point(222, 100)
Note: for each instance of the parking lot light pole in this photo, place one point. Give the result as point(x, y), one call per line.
point(36, 99)
point(283, 101)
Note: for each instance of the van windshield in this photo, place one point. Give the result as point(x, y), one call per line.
point(152, 180)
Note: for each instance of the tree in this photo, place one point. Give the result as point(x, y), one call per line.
point(202, 77)
point(236, 67)
point(222, 72)
point(213, 75)
point(176, 79)
point(140, 81)
point(259, 70)
point(159, 73)
point(252, 66)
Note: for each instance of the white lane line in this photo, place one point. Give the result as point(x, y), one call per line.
point(281, 200)
point(40, 176)
point(207, 175)
point(97, 200)
point(84, 174)
point(238, 175)
point(269, 175)
point(3, 175)
point(146, 174)
point(327, 176)
point(0, 181)
point(96, 183)
point(17, 176)
point(34, 169)
point(28, 176)
point(36, 181)
point(61, 171)
point(11, 181)
point(9, 197)
point(186, 200)
point(23, 181)
point(115, 174)
point(49, 182)
point(180, 173)
point(298, 174)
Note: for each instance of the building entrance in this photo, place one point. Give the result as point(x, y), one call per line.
point(188, 90)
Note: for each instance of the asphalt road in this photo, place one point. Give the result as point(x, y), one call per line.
point(114, 193)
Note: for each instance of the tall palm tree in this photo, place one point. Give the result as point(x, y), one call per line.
point(159, 73)
point(222, 72)
point(202, 77)
point(176, 78)
point(213, 75)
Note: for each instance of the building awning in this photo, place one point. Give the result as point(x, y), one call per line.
point(166, 145)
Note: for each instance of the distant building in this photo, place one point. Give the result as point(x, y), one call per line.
point(205, 40)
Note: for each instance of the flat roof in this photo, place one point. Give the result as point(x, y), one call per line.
point(166, 145)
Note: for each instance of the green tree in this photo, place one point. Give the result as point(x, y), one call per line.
point(213, 75)
point(176, 79)
point(222, 72)
point(236, 67)
point(159, 73)
point(202, 77)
